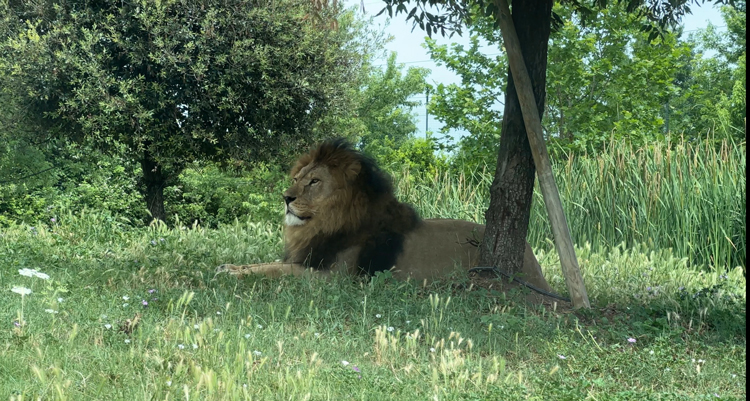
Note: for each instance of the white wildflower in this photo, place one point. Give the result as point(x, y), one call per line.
point(41, 275)
point(21, 290)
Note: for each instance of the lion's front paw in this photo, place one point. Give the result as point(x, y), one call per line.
point(234, 270)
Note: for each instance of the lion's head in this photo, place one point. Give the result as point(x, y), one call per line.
point(339, 198)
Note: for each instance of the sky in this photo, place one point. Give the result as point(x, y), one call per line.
point(407, 43)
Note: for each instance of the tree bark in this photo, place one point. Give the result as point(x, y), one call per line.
point(507, 217)
point(154, 181)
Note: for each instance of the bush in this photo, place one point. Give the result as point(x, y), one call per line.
point(210, 196)
point(82, 178)
point(417, 155)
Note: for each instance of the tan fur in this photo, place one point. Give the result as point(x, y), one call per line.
point(330, 196)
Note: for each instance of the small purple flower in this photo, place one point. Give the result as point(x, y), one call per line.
point(15, 323)
point(631, 340)
point(355, 368)
point(144, 302)
point(151, 291)
point(648, 289)
point(53, 219)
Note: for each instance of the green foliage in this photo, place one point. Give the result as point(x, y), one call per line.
point(607, 79)
point(388, 121)
point(211, 196)
point(385, 105)
point(415, 155)
point(184, 80)
point(474, 104)
point(604, 79)
point(76, 178)
point(712, 90)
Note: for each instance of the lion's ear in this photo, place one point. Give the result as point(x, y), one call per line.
point(352, 170)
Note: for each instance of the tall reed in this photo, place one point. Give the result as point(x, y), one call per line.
point(686, 196)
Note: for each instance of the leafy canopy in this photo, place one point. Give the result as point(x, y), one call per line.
point(182, 80)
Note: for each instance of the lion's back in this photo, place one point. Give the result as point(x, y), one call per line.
point(437, 247)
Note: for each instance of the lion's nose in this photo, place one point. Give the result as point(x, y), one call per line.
point(289, 199)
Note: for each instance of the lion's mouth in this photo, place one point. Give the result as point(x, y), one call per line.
point(291, 219)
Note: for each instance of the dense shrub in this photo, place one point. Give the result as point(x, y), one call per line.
point(210, 196)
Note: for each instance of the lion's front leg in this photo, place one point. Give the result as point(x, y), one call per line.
point(275, 269)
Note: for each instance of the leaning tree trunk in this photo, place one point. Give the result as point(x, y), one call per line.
point(512, 189)
point(154, 181)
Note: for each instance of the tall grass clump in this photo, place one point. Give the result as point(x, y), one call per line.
point(689, 197)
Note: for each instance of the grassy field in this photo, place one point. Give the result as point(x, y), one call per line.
point(661, 328)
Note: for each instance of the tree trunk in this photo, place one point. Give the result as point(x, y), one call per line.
point(513, 186)
point(154, 181)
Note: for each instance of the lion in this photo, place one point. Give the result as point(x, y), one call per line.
point(342, 216)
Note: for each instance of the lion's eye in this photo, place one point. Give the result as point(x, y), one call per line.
point(314, 181)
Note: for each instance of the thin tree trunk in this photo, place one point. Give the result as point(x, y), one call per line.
point(154, 181)
point(513, 186)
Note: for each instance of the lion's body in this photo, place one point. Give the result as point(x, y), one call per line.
point(342, 216)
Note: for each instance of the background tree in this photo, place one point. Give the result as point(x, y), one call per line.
point(711, 96)
point(474, 104)
point(386, 107)
point(176, 81)
point(605, 79)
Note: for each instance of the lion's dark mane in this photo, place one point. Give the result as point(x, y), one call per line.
point(381, 231)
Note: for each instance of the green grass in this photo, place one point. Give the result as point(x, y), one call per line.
point(684, 196)
point(208, 337)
